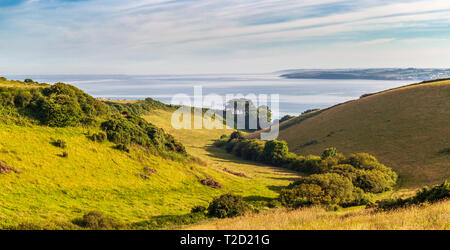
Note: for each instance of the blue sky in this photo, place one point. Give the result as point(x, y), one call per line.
point(219, 36)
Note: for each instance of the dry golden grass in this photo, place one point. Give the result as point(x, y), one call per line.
point(430, 217)
point(14, 84)
point(404, 128)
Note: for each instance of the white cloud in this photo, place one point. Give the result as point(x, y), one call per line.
point(206, 34)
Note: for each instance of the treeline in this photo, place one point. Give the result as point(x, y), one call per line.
point(333, 178)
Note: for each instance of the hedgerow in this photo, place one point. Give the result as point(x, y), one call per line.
point(334, 178)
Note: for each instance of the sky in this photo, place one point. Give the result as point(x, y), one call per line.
point(220, 36)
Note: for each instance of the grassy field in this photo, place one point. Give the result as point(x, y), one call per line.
point(406, 128)
point(265, 181)
point(429, 217)
point(97, 177)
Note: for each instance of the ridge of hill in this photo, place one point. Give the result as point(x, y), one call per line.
point(406, 128)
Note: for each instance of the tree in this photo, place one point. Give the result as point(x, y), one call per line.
point(329, 152)
point(275, 152)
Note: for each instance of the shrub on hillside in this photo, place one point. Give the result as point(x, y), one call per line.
point(230, 145)
point(275, 151)
point(236, 135)
point(221, 142)
point(99, 137)
point(65, 105)
point(60, 143)
point(373, 181)
point(433, 194)
point(329, 152)
point(238, 147)
point(253, 150)
point(122, 147)
point(227, 205)
point(98, 221)
point(133, 129)
point(328, 188)
point(58, 105)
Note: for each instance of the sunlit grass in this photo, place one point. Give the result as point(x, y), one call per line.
point(428, 217)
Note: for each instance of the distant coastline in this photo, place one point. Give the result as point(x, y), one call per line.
point(369, 74)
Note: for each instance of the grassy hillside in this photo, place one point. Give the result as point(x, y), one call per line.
point(432, 217)
point(405, 128)
point(265, 181)
point(96, 176)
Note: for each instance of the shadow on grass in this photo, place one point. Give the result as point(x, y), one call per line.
point(170, 221)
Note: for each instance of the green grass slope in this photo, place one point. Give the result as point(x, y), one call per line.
point(97, 177)
point(405, 128)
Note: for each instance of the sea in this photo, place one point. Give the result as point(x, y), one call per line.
point(295, 95)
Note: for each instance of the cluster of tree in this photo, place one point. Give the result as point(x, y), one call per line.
point(131, 129)
point(333, 178)
point(59, 105)
point(426, 194)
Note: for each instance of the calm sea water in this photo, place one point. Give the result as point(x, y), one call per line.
point(296, 95)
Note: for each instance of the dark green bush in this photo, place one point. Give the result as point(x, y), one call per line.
point(433, 194)
point(122, 147)
point(236, 135)
point(133, 129)
point(329, 152)
point(227, 205)
point(221, 142)
point(238, 147)
point(230, 145)
point(99, 137)
point(60, 143)
point(59, 105)
point(98, 221)
point(373, 181)
point(328, 188)
point(275, 151)
point(253, 150)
